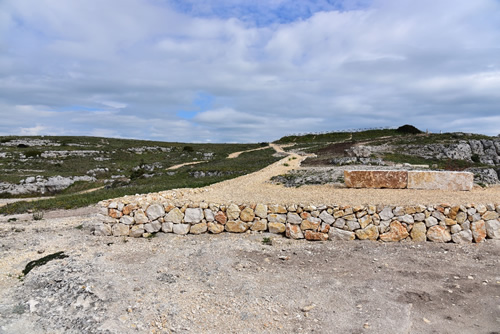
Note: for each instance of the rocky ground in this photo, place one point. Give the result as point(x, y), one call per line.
point(239, 283)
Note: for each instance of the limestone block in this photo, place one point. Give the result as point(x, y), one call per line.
point(175, 216)
point(293, 218)
point(247, 215)
point(155, 211)
point(338, 234)
point(198, 228)
point(438, 234)
point(294, 231)
point(315, 236)
point(370, 232)
point(215, 228)
point(181, 228)
point(375, 179)
point(261, 210)
point(259, 225)
point(276, 227)
point(221, 218)
point(193, 215)
point(397, 232)
point(454, 181)
point(418, 232)
point(233, 212)
point(493, 229)
point(236, 226)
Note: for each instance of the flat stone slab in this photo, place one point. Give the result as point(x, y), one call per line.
point(430, 180)
point(391, 179)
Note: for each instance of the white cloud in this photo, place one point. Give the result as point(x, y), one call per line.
point(136, 64)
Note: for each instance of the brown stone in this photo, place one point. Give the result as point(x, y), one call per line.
point(315, 236)
point(478, 230)
point(114, 213)
point(397, 232)
point(236, 226)
point(370, 232)
point(215, 228)
point(294, 231)
point(198, 228)
point(376, 179)
point(247, 215)
point(454, 181)
point(127, 209)
point(221, 218)
point(438, 233)
point(276, 227)
point(454, 212)
point(418, 232)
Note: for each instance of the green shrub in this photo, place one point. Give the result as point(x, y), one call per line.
point(409, 129)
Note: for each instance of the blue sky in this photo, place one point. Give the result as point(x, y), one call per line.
point(247, 71)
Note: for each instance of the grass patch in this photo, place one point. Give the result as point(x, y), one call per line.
point(246, 163)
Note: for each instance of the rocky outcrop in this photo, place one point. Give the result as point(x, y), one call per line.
point(42, 185)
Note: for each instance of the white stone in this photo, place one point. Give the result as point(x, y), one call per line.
point(193, 215)
point(326, 217)
point(155, 211)
point(209, 215)
point(181, 228)
point(493, 229)
point(386, 213)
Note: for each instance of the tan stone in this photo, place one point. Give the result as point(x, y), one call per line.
point(175, 216)
point(236, 226)
point(309, 224)
point(478, 229)
point(315, 236)
point(277, 209)
point(221, 218)
point(259, 225)
point(375, 179)
point(489, 215)
point(233, 212)
point(198, 228)
point(454, 212)
point(215, 228)
point(338, 214)
point(365, 221)
point(247, 215)
point(430, 180)
point(450, 222)
point(136, 231)
point(418, 232)
point(409, 210)
point(294, 231)
point(261, 210)
point(438, 233)
point(276, 227)
point(276, 218)
point(397, 232)
point(370, 232)
point(461, 217)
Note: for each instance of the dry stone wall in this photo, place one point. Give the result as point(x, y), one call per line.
point(438, 223)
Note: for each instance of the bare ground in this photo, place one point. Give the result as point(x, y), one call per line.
point(233, 283)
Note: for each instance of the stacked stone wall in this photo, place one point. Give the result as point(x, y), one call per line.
point(438, 223)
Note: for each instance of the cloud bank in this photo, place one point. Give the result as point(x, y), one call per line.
point(230, 71)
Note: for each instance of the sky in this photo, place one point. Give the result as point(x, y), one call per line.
point(247, 71)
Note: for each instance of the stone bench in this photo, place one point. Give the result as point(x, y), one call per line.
point(397, 179)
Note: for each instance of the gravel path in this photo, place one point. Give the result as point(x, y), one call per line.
point(256, 188)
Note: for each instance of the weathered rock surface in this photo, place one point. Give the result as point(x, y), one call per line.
point(454, 181)
point(236, 226)
point(293, 231)
point(338, 234)
point(375, 179)
point(193, 215)
point(438, 234)
point(493, 229)
point(397, 233)
point(370, 232)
